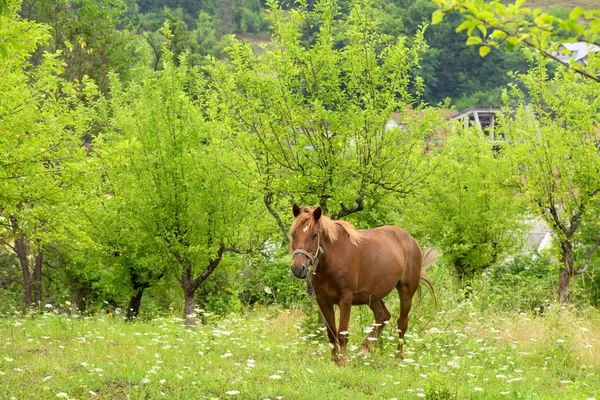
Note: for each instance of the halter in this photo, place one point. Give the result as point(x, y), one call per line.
point(314, 261)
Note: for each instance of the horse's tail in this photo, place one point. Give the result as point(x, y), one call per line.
point(429, 256)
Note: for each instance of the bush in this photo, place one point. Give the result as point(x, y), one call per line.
point(270, 281)
point(525, 282)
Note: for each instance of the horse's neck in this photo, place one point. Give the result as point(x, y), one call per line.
point(332, 250)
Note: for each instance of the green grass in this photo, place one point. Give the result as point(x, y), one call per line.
point(457, 352)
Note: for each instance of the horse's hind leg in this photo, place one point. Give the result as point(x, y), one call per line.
point(406, 292)
point(382, 315)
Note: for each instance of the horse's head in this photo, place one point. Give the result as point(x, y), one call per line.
point(305, 240)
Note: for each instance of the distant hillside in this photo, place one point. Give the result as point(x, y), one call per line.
point(545, 4)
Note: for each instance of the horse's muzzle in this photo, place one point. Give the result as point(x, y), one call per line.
point(299, 273)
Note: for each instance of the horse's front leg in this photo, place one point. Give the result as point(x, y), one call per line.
point(329, 317)
point(342, 337)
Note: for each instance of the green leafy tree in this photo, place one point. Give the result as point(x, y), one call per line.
point(554, 142)
point(43, 120)
point(469, 208)
point(91, 35)
point(312, 110)
point(490, 24)
point(173, 171)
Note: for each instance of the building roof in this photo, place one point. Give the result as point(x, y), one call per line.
point(482, 110)
point(579, 51)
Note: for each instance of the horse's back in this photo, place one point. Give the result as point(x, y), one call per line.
point(389, 255)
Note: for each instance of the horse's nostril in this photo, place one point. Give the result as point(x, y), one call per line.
point(299, 273)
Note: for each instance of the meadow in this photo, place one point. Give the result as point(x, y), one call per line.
point(460, 348)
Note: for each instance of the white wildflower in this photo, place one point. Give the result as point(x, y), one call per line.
point(62, 395)
point(275, 377)
point(478, 389)
point(92, 393)
point(46, 378)
point(8, 359)
point(49, 306)
point(232, 392)
point(145, 380)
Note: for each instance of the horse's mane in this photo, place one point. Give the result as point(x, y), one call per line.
point(327, 226)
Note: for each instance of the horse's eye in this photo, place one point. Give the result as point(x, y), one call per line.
point(314, 236)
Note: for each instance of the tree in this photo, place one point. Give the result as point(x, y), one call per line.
point(491, 24)
point(91, 36)
point(312, 110)
point(173, 171)
point(554, 144)
point(469, 208)
point(43, 119)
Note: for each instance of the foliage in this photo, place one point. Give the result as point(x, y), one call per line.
point(468, 209)
point(173, 177)
point(153, 178)
point(522, 283)
point(312, 110)
point(90, 35)
point(43, 166)
point(491, 24)
point(553, 139)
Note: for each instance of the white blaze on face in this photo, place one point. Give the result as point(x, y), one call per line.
point(305, 229)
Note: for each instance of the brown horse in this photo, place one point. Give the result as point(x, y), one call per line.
point(349, 267)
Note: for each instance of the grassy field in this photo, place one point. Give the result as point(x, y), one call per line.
point(458, 352)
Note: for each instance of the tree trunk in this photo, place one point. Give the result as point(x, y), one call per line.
point(565, 272)
point(563, 285)
point(133, 308)
point(37, 278)
point(226, 13)
point(190, 285)
point(139, 285)
point(21, 250)
point(190, 319)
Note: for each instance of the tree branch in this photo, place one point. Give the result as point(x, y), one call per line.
point(268, 199)
point(360, 205)
point(212, 265)
point(587, 259)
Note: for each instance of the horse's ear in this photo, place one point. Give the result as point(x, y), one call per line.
point(296, 210)
point(317, 213)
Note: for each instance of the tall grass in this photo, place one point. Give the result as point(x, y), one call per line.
point(464, 348)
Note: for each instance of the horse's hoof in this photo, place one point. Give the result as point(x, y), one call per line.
point(399, 356)
point(342, 362)
point(364, 352)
